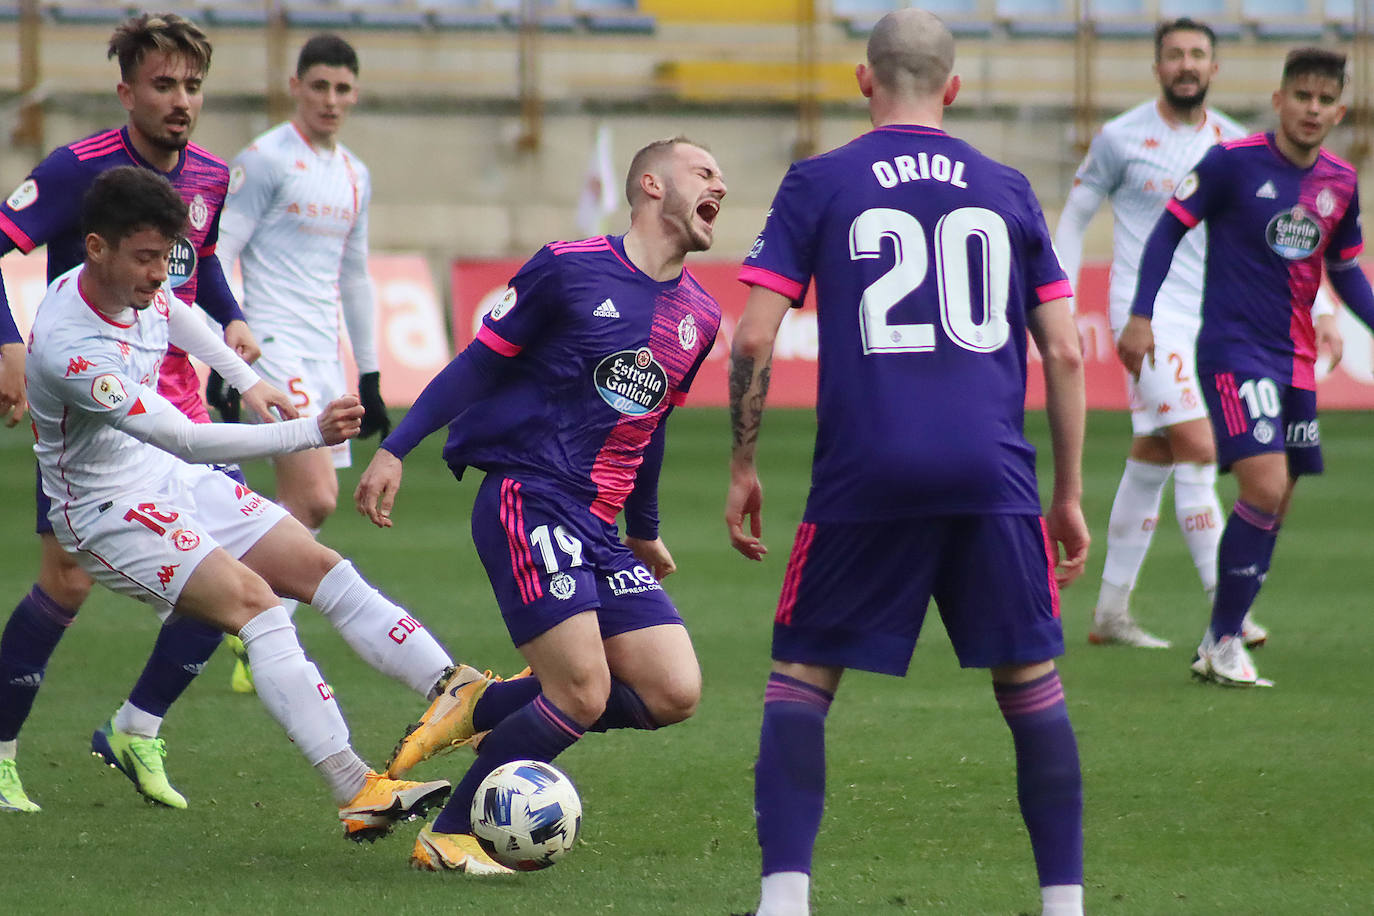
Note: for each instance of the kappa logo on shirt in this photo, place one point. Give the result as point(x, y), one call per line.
point(606, 309)
point(166, 574)
point(77, 365)
point(1267, 191)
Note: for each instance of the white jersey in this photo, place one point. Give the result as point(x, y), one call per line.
point(87, 374)
point(1136, 160)
point(297, 219)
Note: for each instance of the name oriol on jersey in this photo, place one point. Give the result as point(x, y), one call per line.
point(921, 167)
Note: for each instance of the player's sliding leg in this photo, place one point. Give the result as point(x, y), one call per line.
point(1049, 782)
point(384, 635)
point(655, 682)
point(789, 782)
point(575, 681)
point(227, 593)
point(1135, 515)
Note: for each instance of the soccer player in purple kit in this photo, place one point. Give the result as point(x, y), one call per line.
point(163, 60)
point(1277, 206)
point(931, 262)
point(561, 400)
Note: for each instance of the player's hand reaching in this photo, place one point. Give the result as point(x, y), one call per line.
point(745, 500)
point(1069, 531)
point(653, 554)
point(1136, 344)
point(269, 403)
point(375, 418)
point(240, 339)
point(1329, 339)
point(341, 419)
point(377, 488)
point(12, 397)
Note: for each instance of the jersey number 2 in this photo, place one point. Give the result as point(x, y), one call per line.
point(953, 275)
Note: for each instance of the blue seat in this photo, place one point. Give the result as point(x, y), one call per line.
point(310, 15)
point(615, 16)
point(463, 15)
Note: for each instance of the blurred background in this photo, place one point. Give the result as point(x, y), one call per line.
point(493, 126)
point(480, 118)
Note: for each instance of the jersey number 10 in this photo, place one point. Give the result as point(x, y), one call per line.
point(953, 275)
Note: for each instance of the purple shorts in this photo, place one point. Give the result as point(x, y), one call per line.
point(1253, 415)
point(549, 560)
point(855, 594)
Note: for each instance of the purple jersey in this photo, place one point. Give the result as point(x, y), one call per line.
point(927, 256)
point(46, 208)
point(604, 353)
point(1269, 225)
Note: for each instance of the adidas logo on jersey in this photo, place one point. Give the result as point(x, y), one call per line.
point(606, 310)
point(1267, 190)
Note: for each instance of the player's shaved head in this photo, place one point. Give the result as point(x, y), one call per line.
point(128, 199)
point(911, 51)
point(651, 159)
point(137, 37)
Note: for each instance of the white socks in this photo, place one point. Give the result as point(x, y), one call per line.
point(133, 721)
point(1061, 900)
point(1199, 517)
point(785, 893)
point(291, 688)
point(1135, 514)
point(384, 635)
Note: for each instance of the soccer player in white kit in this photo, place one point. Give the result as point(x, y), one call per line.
point(134, 503)
point(296, 218)
point(1135, 161)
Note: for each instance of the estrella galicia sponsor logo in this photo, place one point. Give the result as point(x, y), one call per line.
point(1304, 434)
point(181, 266)
point(562, 586)
point(1292, 234)
point(633, 581)
point(1264, 432)
point(631, 381)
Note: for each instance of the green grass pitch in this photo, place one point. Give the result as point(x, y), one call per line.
point(1199, 800)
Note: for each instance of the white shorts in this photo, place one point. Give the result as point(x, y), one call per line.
point(311, 384)
point(1167, 393)
point(146, 545)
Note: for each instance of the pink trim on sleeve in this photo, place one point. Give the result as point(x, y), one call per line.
point(783, 286)
point(1178, 210)
point(1352, 252)
point(1059, 289)
point(17, 235)
point(497, 343)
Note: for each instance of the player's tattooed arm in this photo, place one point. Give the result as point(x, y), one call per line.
point(747, 397)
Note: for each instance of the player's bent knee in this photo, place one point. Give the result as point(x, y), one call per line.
point(675, 704)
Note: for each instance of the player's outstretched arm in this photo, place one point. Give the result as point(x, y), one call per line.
point(1078, 211)
point(377, 488)
point(1055, 333)
point(751, 358)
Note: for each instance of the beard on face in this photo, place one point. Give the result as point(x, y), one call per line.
point(1188, 102)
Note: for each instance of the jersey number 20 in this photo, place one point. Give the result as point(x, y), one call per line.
point(953, 276)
